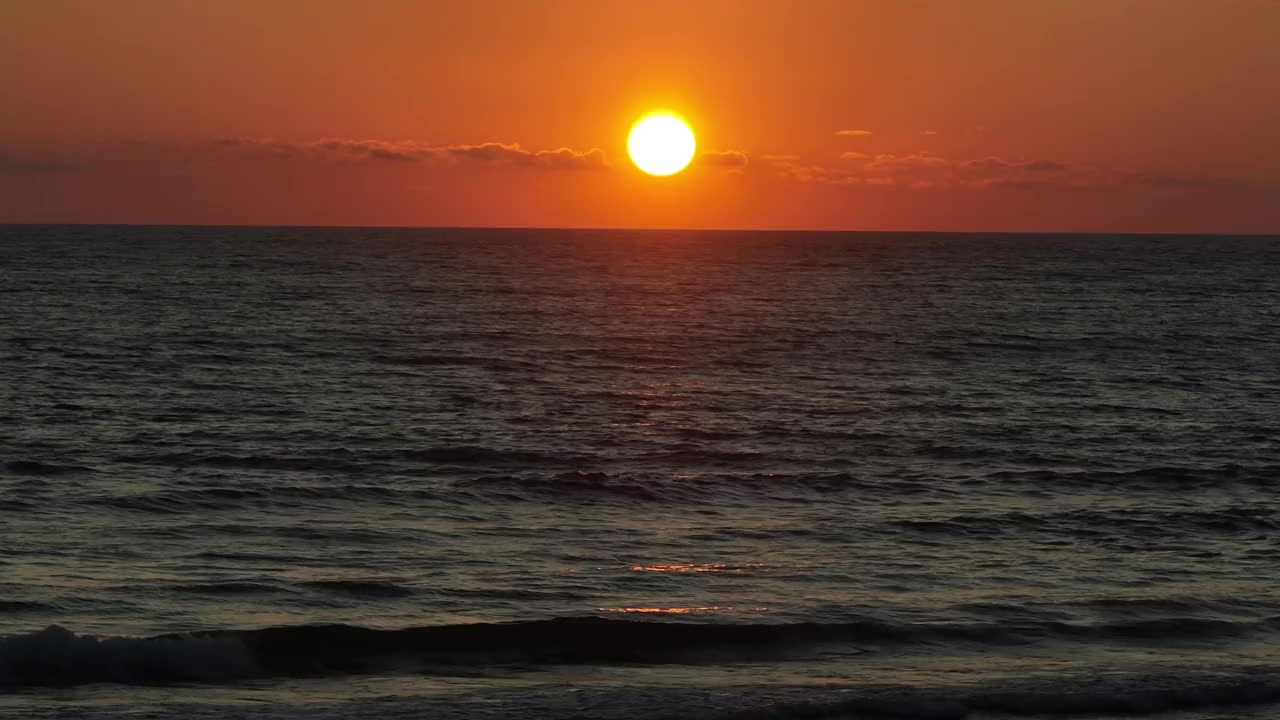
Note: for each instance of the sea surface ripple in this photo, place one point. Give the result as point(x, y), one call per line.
point(265, 454)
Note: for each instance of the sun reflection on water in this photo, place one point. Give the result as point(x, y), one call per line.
point(696, 568)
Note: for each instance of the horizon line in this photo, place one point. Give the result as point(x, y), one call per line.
point(552, 228)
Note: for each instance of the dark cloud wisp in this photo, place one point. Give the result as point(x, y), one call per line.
point(494, 154)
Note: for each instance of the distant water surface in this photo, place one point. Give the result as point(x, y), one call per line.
point(451, 473)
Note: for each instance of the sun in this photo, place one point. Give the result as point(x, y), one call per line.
point(661, 144)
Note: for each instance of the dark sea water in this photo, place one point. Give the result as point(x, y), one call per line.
point(401, 473)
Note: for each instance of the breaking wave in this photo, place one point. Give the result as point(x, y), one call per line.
point(57, 656)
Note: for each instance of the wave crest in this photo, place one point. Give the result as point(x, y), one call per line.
point(56, 656)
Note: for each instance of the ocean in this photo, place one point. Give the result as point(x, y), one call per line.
point(277, 473)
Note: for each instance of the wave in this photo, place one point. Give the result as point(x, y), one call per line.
point(32, 467)
point(186, 499)
point(695, 455)
point(1125, 695)
point(665, 487)
point(576, 485)
point(344, 460)
point(568, 486)
point(249, 462)
point(1125, 608)
point(57, 656)
point(520, 476)
point(230, 587)
point(23, 606)
point(439, 360)
point(699, 455)
point(367, 589)
point(599, 486)
point(693, 433)
point(1157, 479)
point(1128, 522)
point(480, 455)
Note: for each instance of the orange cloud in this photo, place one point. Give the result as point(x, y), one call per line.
point(493, 153)
point(372, 149)
point(724, 158)
point(987, 163)
point(1046, 166)
point(489, 153)
point(923, 171)
point(885, 163)
point(853, 133)
point(802, 172)
point(996, 172)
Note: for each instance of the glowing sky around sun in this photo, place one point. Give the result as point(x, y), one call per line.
point(1154, 115)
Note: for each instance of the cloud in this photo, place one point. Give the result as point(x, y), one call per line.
point(372, 149)
point(570, 159)
point(1046, 166)
point(893, 164)
point(853, 133)
point(489, 153)
point(801, 172)
point(918, 170)
point(15, 164)
point(271, 147)
point(1010, 183)
point(493, 153)
point(997, 173)
point(1002, 165)
point(925, 171)
point(987, 163)
point(724, 158)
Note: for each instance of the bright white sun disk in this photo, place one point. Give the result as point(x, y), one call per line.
point(661, 144)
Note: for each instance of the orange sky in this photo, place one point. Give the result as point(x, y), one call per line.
point(1093, 115)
